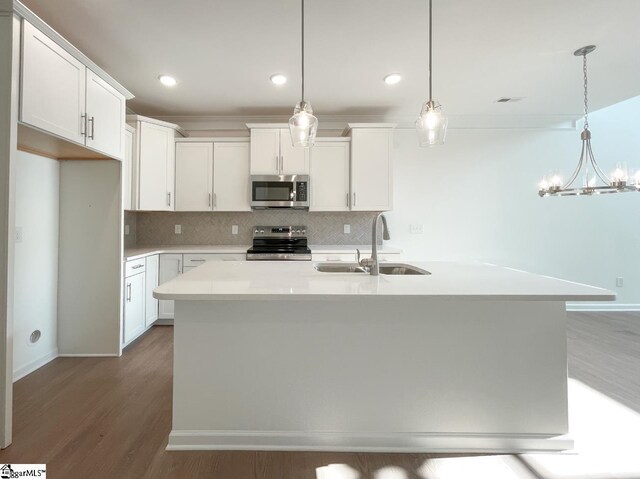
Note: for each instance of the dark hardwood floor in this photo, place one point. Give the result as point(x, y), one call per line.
point(110, 417)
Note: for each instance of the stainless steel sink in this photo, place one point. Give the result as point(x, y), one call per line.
point(402, 269)
point(388, 269)
point(340, 268)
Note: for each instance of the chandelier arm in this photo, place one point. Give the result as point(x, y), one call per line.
point(597, 169)
point(578, 168)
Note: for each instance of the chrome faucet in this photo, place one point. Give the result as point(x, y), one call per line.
point(372, 264)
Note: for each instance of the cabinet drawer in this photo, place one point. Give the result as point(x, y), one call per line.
point(197, 259)
point(134, 267)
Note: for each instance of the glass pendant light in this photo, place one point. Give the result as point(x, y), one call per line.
point(431, 125)
point(588, 178)
point(303, 126)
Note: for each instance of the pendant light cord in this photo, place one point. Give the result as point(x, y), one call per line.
point(586, 100)
point(302, 1)
point(430, 49)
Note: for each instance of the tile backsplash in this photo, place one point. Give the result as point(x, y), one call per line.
point(158, 228)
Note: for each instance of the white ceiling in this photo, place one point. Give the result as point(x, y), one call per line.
point(222, 52)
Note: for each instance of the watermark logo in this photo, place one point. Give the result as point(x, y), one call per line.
point(9, 471)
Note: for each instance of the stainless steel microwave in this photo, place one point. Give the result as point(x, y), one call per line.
point(280, 191)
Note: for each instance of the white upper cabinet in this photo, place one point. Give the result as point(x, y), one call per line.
point(231, 176)
point(329, 176)
point(194, 176)
point(61, 96)
point(127, 169)
point(371, 168)
point(272, 153)
point(293, 159)
point(265, 151)
point(212, 176)
point(154, 167)
point(105, 109)
point(52, 87)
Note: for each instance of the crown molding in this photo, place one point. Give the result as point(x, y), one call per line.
point(340, 122)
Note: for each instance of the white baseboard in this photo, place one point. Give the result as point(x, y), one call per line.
point(597, 307)
point(105, 355)
point(353, 442)
point(164, 322)
point(35, 364)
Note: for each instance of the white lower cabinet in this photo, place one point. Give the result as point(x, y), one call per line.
point(151, 282)
point(170, 267)
point(134, 299)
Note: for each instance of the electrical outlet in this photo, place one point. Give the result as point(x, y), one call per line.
point(416, 229)
point(18, 234)
point(347, 229)
point(178, 229)
point(619, 282)
point(126, 230)
point(234, 229)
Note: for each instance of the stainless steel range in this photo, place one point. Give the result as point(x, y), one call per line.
point(279, 243)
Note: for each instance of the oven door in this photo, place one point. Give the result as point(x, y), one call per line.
point(272, 191)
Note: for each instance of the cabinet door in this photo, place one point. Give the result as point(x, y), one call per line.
point(371, 170)
point(127, 171)
point(105, 117)
point(265, 151)
point(156, 167)
point(52, 87)
point(170, 267)
point(329, 176)
point(231, 177)
point(133, 307)
point(194, 176)
point(294, 159)
point(151, 283)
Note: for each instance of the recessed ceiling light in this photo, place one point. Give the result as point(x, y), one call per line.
point(167, 80)
point(278, 79)
point(392, 78)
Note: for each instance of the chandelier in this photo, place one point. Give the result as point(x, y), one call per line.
point(588, 178)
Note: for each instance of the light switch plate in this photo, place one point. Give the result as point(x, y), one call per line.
point(18, 234)
point(126, 230)
point(619, 282)
point(178, 229)
point(416, 229)
point(347, 229)
point(234, 229)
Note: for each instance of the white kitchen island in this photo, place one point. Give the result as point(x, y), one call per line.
point(279, 356)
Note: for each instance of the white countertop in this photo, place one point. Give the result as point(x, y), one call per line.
point(260, 280)
point(137, 253)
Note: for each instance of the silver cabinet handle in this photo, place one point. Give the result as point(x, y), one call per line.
point(198, 260)
point(210, 199)
point(347, 199)
point(179, 266)
point(278, 163)
point(137, 266)
point(92, 122)
point(169, 198)
point(83, 124)
point(354, 199)
point(129, 292)
point(215, 200)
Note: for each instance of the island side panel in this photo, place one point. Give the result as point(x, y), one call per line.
point(369, 374)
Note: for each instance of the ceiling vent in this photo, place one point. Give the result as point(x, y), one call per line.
point(509, 99)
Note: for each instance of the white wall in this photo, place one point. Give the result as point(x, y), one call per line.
point(36, 262)
point(90, 258)
point(477, 199)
